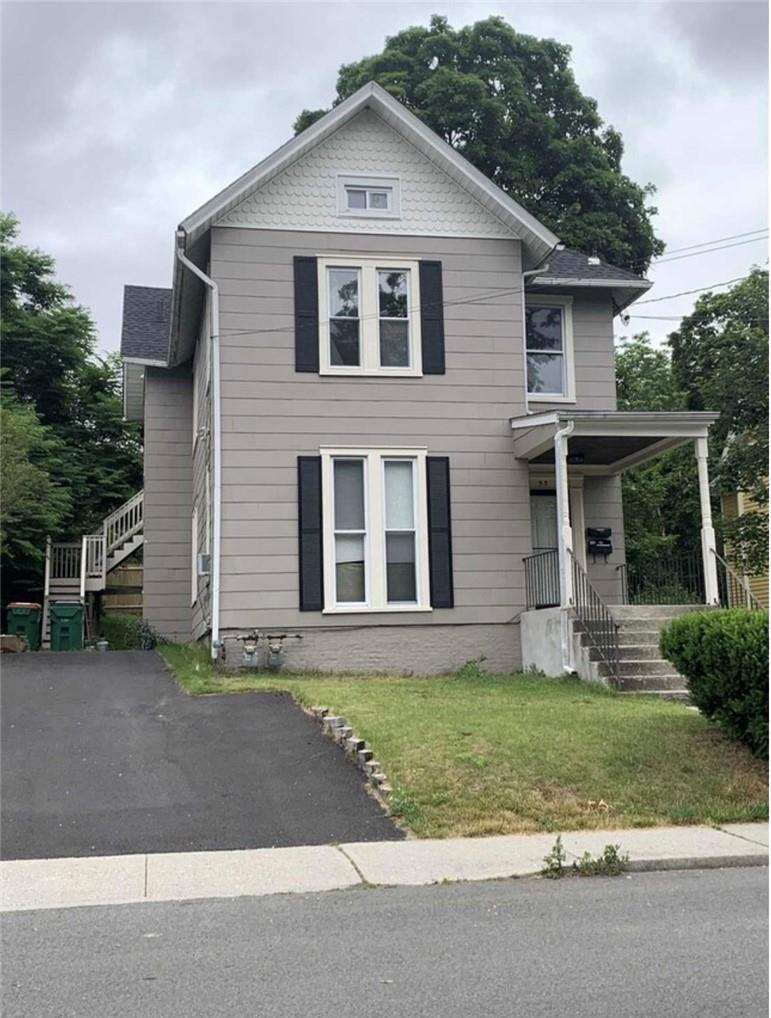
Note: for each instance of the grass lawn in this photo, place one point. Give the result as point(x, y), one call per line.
point(471, 754)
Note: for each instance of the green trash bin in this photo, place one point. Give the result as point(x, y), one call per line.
point(66, 625)
point(23, 619)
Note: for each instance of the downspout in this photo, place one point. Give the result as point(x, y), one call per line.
point(216, 440)
point(524, 276)
point(565, 565)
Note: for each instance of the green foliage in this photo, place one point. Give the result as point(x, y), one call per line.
point(128, 632)
point(610, 864)
point(473, 669)
point(32, 503)
point(661, 498)
point(510, 104)
point(554, 861)
point(89, 456)
point(724, 657)
point(720, 361)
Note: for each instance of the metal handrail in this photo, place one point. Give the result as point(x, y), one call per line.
point(542, 579)
point(734, 590)
point(594, 619)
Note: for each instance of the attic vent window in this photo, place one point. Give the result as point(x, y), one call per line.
point(371, 197)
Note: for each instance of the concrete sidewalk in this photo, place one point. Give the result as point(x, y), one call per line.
point(181, 876)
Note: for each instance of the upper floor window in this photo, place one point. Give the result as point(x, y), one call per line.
point(377, 197)
point(369, 317)
point(549, 349)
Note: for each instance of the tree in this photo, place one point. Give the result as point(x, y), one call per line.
point(661, 498)
point(33, 505)
point(510, 104)
point(720, 360)
point(54, 379)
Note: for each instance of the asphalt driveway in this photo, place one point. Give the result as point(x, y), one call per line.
point(102, 754)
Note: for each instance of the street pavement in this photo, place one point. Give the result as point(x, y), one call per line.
point(102, 754)
point(669, 945)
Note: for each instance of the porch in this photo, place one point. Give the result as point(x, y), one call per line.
point(578, 573)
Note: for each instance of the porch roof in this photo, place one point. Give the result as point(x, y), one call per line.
point(607, 441)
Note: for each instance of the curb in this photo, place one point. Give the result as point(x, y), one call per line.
point(31, 884)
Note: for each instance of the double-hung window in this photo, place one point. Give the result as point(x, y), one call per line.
point(369, 317)
point(549, 349)
point(375, 530)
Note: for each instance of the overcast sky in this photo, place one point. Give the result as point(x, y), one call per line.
point(119, 119)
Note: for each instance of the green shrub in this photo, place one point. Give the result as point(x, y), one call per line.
point(724, 658)
point(127, 632)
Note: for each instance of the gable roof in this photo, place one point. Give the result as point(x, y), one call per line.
point(146, 324)
point(538, 241)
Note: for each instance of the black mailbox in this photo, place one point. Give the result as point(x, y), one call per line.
point(598, 541)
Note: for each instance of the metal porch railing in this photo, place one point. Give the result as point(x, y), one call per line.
point(542, 580)
point(667, 579)
point(594, 620)
point(733, 589)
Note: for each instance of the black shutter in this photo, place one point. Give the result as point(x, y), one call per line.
point(432, 318)
point(309, 515)
point(439, 532)
point(306, 315)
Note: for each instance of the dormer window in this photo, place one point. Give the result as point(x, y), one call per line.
point(375, 197)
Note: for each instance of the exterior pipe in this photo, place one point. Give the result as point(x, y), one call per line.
point(525, 276)
point(216, 440)
point(564, 541)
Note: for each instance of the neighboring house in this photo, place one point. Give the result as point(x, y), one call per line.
point(734, 504)
point(380, 413)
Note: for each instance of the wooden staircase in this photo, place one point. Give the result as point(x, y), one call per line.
point(77, 570)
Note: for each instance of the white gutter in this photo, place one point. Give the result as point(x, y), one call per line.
point(563, 529)
point(216, 440)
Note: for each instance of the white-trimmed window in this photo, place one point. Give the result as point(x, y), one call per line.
point(549, 349)
point(369, 197)
point(369, 317)
point(375, 530)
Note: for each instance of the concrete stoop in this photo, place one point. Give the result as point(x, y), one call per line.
point(642, 668)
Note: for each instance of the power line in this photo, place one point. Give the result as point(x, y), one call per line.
point(722, 247)
point(686, 293)
point(717, 240)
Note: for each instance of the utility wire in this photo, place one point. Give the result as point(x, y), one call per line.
point(722, 247)
point(686, 293)
point(707, 243)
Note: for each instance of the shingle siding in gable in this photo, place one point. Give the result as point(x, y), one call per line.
point(304, 196)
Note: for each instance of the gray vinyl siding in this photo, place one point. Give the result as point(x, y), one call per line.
point(271, 415)
point(201, 611)
point(603, 508)
point(168, 499)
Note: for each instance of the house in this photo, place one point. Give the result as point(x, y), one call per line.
point(380, 417)
point(734, 504)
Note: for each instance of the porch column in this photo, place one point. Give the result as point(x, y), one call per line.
point(564, 530)
point(708, 548)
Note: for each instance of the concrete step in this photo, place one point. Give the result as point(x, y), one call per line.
point(646, 666)
point(638, 637)
point(639, 652)
point(665, 682)
point(639, 612)
point(663, 694)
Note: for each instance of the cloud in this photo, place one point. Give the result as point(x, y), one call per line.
point(119, 119)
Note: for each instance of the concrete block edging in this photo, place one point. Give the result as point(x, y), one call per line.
point(359, 752)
